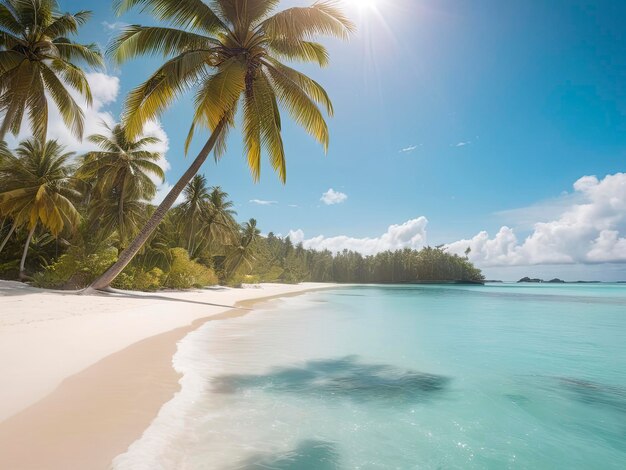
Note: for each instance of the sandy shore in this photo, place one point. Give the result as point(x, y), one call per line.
point(83, 376)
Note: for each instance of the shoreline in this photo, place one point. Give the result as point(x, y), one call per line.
point(95, 414)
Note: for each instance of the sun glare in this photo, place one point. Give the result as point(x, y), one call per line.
point(364, 5)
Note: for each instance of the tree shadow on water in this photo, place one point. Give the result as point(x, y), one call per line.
point(308, 455)
point(594, 393)
point(344, 377)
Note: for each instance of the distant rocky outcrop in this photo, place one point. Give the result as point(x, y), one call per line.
point(556, 280)
point(528, 279)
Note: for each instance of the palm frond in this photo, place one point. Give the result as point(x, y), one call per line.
point(219, 93)
point(313, 89)
point(70, 111)
point(152, 97)
point(301, 107)
point(8, 20)
point(74, 77)
point(269, 119)
point(66, 24)
point(185, 13)
point(87, 53)
point(37, 108)
point(295, 49)
point(136, 40)
point(321, 18)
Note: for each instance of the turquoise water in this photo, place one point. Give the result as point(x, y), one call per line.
point(404, 377)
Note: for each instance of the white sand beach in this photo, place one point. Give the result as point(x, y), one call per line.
point(102, 362)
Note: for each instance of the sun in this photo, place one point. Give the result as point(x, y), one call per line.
point(364, 5)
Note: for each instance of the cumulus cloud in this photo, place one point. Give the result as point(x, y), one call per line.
point(261, 202)
point(331, 197)
point(590, 230)
point(411, 234)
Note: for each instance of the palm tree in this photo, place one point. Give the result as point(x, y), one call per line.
point(122, 173)
point(193, 208)
point(4, 151)
point(230, 53)
point(5, 154)
point(243, 252)
point(38, 60)
point(219, 221)
point(38, 188)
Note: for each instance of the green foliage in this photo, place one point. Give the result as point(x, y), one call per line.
point(277, 259)
point(133, 278)
point(186, 273)
point(240, 279)
point(75, 269)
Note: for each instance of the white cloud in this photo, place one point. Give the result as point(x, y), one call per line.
point(408, 149)
point(411, 234)
point(331, 197)
point(115, 26)
point(463, 144)
point(261, 202)
point(590, 230)
point(543, 211)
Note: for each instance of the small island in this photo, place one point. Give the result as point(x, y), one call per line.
point(528, 279)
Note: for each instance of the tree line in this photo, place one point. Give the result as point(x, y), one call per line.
point(87, 208)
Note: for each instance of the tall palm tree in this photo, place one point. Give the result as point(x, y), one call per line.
point(38, 60)
point(38, 189)
point(192, 209)
point(243, 252)
point(230, 52)
point(122, 173)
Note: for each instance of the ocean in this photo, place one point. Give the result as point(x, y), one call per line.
point(501, 376)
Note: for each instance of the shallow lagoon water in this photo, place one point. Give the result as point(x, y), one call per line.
point(402, 377)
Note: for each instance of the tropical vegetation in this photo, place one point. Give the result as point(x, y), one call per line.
point(72, 221)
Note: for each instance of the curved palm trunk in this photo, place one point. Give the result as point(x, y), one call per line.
point(6, 239)
point(133, 248)
point(23, 261)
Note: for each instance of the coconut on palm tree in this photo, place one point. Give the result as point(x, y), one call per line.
point(231, 54)
point(122, 173)
point(37, 61)
point(38, 189)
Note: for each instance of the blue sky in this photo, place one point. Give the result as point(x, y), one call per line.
point(500, 108)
